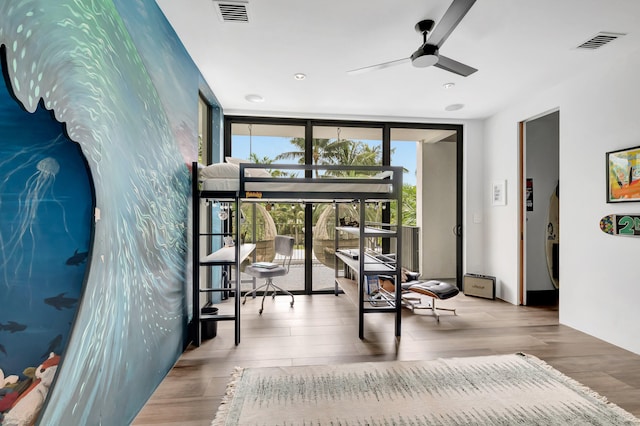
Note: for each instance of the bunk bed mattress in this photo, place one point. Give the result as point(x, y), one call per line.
point(325, 185)
point(221, 184)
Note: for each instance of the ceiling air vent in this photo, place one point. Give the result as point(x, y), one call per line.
point(232, 11)
point(599, 40)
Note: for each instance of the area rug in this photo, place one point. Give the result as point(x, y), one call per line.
point(515, 389)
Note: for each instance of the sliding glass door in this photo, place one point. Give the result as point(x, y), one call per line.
point(271, 144)
point(337, 145)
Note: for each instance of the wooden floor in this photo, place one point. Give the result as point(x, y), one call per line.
point(322, 329)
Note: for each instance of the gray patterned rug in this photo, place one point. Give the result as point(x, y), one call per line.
point(513, 389)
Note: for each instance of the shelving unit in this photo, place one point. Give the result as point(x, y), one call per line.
point(362, 264)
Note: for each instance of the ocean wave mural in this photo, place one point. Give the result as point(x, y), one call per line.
point(108, 83)
point(45, 231)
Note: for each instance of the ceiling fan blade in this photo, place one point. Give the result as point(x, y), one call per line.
point(379, 66)
point(455, 67)
point(450, 21)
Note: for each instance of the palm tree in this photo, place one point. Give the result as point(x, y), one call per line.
point(253, 157)
point(356, 154)
point(324, 151)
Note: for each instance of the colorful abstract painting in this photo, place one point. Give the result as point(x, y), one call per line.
point(623, 175)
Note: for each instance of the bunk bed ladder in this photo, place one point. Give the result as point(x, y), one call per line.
point(219, 258)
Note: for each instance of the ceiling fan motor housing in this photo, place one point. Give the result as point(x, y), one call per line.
point(424, 26)
point(425, 56)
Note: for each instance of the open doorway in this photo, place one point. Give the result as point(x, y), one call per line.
point(540, 260)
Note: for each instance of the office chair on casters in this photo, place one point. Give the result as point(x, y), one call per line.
point(284, 247)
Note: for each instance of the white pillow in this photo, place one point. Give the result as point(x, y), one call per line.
point(250, 172)
point(220, 170)
point(258, 172)
point(236, 161)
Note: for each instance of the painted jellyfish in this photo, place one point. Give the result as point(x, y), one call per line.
point(37, 186)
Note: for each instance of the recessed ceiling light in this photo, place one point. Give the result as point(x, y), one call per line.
point(453, 107)
point(256, 99)
point(299, 76)
point(448, 85)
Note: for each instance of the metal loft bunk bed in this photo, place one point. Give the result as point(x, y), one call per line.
point(341, 185)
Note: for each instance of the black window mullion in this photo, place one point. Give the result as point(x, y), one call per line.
point(308, 213)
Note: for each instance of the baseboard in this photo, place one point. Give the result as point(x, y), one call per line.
point(542, 298)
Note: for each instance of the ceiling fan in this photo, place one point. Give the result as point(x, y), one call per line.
point(428, 53)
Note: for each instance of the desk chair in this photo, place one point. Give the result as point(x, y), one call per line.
point(284, 247)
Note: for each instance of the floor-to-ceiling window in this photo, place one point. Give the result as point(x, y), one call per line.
point(204, 130)
point(322, 142)
point(205, 156)
point(340, 144)
point(271, 143)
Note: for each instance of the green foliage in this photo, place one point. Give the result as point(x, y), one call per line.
point(409, 211)
point(333, 152)
point(327, 152)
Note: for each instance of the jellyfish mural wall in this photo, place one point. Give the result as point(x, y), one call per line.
point(45, 216)
point(115, 74)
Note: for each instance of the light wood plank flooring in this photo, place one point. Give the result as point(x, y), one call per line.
point(322, 329)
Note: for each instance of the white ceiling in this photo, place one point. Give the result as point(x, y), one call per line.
point(520, 48)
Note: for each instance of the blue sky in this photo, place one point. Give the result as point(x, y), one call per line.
point(269, 146)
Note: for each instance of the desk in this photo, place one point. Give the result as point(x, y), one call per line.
point(372, 265)
point(227, 255)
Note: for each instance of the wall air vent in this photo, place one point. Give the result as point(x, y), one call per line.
point(232, 11)
point(599, 40)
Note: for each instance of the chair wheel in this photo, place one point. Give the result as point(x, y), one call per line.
point(292, 304)
point(244, 301)
point(260, 312)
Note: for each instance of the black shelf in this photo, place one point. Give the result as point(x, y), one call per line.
point(364, 264)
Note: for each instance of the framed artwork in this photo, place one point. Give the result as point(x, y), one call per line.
point(498, 193)
point(623, 175)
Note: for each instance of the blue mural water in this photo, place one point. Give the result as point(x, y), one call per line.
point(118, 83)
point(45, 230)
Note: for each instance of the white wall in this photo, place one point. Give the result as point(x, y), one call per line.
point(473, 195)
point(600, 286)
point(501, 222)
point(438, 173)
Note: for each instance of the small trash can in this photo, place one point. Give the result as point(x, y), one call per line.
point(208, 328)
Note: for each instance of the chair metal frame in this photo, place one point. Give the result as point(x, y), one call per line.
point(410, 299)
point(284, 247)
